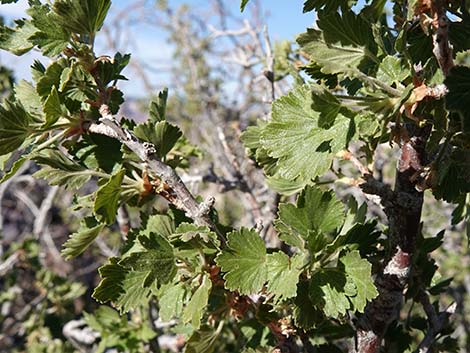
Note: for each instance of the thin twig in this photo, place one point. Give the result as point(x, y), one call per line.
point(184, 200)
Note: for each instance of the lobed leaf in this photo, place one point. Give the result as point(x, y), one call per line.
point(50, 36)
point(244, 262)
point(16, 40)
point(157, 260)
point(315, 213)
point(14, 126)
point(81, 16)
point(58, 169)
point(162, 135)
point(283, 274)
point(301, 147)
point(359, 273)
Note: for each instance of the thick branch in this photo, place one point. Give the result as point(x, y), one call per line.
point(403, 208)
point(184, 200)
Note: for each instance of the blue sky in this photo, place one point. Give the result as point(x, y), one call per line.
point(284, 20)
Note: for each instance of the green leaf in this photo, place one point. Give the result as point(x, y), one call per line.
point(347, 28)
point(461, 213)
point(302, 148)
point(359, 273)
point(326, 5)
point(81, 16)
point(162, 134)
point(283, 274)
point(332, 58)
point(188, 231)
point(98, 152)
point(315, 213)
point(329, 291)
point(202, 341)
point(58, 169)
point(51, 36)
point(78, 242)
point(110, 70)
point(50, 78)
point(244, 262)
point(157, 261)
point(306, 315)
point(157, 109)
point(112, 275)
point(107, 198)
point(161, 224)
point(171, 301)
point(52, 107)
point(194, 310)
point(14, 168)
point(284, 186)
point(453, 174)
point(458, 84)
point(391, 71)
point(243, 4)
point(26, 94)
point(14, 126)
point(134, 293)
point(16, 40)
point(121, 286)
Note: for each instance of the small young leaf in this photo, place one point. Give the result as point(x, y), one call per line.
point(50, 78)
point(329, 291)
point(107, 199)
point(78, 242)
point(52, 107)
point(157, 109)
point(188, 231)
point(391, 71)
point(316, 213)
point(110, 70)
point(162, 134)
point(194, 310)
point(244, 262)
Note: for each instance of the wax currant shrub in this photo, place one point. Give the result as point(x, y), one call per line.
point(340, 279)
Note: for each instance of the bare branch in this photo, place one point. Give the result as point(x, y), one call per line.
point(184, 200)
